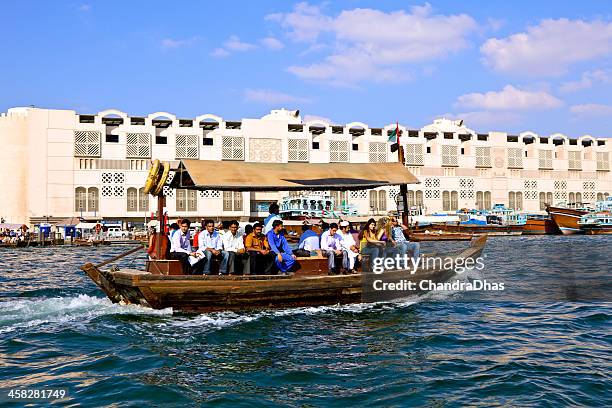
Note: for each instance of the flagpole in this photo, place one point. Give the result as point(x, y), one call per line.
point(403, 187)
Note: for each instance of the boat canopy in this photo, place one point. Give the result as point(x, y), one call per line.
point(248, 176)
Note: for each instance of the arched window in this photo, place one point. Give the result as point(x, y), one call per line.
point(93, 204)
point(192, 200)
point(487, 200)
point(454, 201)
point(446, 201)
point(132, 199)
point(479, 200)
point(232, 201)
point(571, 197)
point(578, 197)
point(549, 198)
point(374, 201)
point(542, 201)
point(411, 201)
point(181, 202)
point(419, 198)
point(519, 201)
point(511, 200)
point(80, 199)
point(599, 197)
point(143, 200)
point(382, 201)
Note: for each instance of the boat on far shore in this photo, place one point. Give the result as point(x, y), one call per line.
point(599, 223)
point(566, 218)
point(540, 224)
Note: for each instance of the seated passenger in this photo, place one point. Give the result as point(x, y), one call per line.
point(350, 252)
point(369, 244)
point(260, 256)
point(309, 240)
point(233, 245)
point(279, 246)
point(401, 243)
point(211, 247)
point(180, 246)
point(331, 246)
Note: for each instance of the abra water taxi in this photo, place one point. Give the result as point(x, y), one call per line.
point(596, 223)
point(162, 284)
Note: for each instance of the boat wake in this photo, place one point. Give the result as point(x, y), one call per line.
point(28, 313)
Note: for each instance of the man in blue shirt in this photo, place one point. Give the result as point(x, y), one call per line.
point(211, 246)
point(278, 244)
point(267, 223)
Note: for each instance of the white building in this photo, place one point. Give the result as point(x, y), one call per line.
point(61, 164)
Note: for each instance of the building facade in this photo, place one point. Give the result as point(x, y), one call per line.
point(63, 164)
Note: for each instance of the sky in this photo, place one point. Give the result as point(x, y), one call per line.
point(541, 66)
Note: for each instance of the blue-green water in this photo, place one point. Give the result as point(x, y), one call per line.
point(447, 349)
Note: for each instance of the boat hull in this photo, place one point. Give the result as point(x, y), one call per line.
point(540, 227)
point(597, 230)
point(566, 219)
point(490, 230)
point(198, 294)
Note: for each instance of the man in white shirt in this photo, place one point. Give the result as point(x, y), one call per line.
point(233, 246)
point(350, 250)
point(180, 246)
point(331, 245)
point(211, 246)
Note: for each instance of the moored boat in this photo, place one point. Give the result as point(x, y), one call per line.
point(599, 223)
point(162, 283)
point(566, 218)
point(439, 236)
point(539, 224)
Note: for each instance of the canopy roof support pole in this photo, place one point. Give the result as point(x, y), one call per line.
point(161, 203)
point(403, 188)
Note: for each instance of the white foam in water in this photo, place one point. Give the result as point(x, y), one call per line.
point(19, 314)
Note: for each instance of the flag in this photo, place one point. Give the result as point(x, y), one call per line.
point(394, 137)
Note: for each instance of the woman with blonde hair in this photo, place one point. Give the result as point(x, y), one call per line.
point(369, 244)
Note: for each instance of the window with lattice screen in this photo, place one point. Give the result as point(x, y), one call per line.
point(545, 159)
point(186, 147)
point(132, 199)
point(298, 150)
point(382, 200)
point(232, 201)
point(338, 151)
point(80, 199)
point(413, 154)
point(374, 200)
point(603, 161)
point(574, 160)
point(515, 158)
point(449, 155)
point(483, 156)
point(454, 201)
point(87, 143)
point(192, 200)
point(232, 148)
point(138, 145)
point(181, 200)
point(143, 200)
point(378, 152)
point(93, 202)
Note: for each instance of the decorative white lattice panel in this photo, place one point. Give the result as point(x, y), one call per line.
point(298, 150)
point(232, 148)
point(449, 155)
point(107, 191)
point(467, 184)
point(393, 192)
point(560, 185)
point(515, 157)
point(168, 192)
point(588, 185)
point(483, 156)
point(560, 195)
point(107, 178)
point(531, 195)
point(119, 178)
point(589, 196)
point(574, 161)
point(531, 184)
point(413, 154)
point(338, 151)
point(118, 191)
point(186, 147)
point(545, 159)
point(378, 152)
point(170, 177)
point(359, 194)
point(435, 194)
point(432, 183)
point(138, 145)
point(210, 194)
point(87, 143)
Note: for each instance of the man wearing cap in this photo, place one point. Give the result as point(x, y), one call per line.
point(350, 251)
point(331, 245)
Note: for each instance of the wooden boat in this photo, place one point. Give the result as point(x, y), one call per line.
point(162, 284)
point(490, 230)
point(539, 225)
point(436, 236)
point(86, 242)
point(566, 219)
point(599, 223)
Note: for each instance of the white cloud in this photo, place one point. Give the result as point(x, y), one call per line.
point(370, 44)
point(85, 8)
point(509, 99)
point(591, 110)
point(170, 43)
point(587, 81)
point(219, 53)
point(550, 47)
point(272, 43)
point(487, 119)
point(270, 97)
point(233, 43)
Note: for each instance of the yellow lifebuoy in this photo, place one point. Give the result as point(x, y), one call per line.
point(162, 180)
point(153, 176)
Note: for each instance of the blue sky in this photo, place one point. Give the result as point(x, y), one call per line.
point(544, 66)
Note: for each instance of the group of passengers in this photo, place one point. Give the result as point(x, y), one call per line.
point(263, 248)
